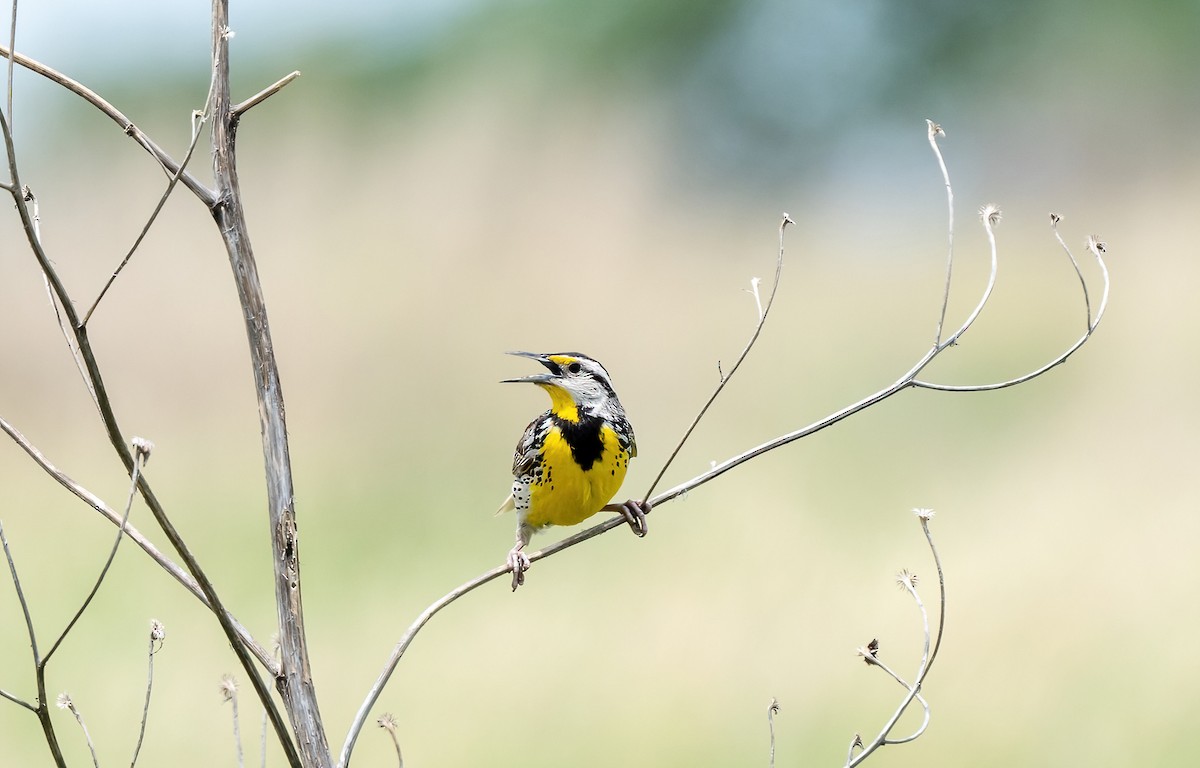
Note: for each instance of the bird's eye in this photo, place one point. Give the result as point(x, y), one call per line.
point(574, 367)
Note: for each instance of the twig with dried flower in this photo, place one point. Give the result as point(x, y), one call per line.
point(63, 701)
point(723, 379)
point(158, 633)
point(398, 651)
point(989, 216)
point(142, 449)
point(131, 532)
point(387, 721)
point(229, 692)
point(96, 385)
point(870, 654)
point(41, 661)
point(772, 710)
point(225, 205)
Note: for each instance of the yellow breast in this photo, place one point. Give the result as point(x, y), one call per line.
point(566, 494)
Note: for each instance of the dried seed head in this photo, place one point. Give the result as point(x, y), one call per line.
point(1096, 245)
point(387, 721)
point(868, 651)
point(141, 449)
point(157, 630)
point(63, 701)
point(934, 129)
point(924, 513)
point(1054, 219)
point(906, 580)
point(990, 213)
point(227, 688)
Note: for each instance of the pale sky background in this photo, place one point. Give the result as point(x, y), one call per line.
point(74, 32)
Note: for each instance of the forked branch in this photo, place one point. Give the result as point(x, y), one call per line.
point(990, 217)
point(85, 354)
point(870, 654)
point(169, 165)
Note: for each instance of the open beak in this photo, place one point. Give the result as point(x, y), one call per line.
point(537, 378)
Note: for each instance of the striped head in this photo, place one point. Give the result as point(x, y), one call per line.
point(576, 384)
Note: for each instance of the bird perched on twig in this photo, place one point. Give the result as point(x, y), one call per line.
point(572, 459)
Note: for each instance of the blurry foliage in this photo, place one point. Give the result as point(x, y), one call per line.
point(760, 89)
point(768, 84)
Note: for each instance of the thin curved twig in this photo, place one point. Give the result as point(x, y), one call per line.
point(136, 536)
point(12, 569)
point(64, 702)
point(772, 710)
point(117, 441)
point(112, 555)
point(393, 661)
point(12, 45)
point(725, 377)
point(1097, 248)
point(157, 635)
point(935, 130)
point(924, 515)
point(990, 216)
point(198, 119)
point(242, 107)
point(127, 126)
point(909, 582)
point(42, 709)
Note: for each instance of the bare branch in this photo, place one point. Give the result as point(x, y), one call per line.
point(935, 130)
point(158, 634)
point(229, 693)
point(61, 317)
point(924, 515)
point(165, 160)
point(12, 46)
point(772, 710)
point(239, 109)
point(96, 385)
point(1087, 299)
point(1097, 249)
point(295, 684)
point(17, 700)
point(42, 709)
point(364, 710)
point(138, 538)
point(12, 569)
point(763, 311)
point(855, 743)
point(162, 201)
point(387, 721)
point(990, 216)
point(908, 582)
point(143, 455)
point(64, 702)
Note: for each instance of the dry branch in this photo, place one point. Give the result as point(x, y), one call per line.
point(989, 215)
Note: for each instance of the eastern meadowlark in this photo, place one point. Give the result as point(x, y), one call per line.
point(572, 459)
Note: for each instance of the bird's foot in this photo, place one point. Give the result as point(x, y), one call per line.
point(634, 513)
point(518, 563)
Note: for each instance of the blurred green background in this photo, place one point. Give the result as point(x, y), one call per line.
point(449, 181)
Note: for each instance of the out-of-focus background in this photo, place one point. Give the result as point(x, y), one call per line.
point(448, 181)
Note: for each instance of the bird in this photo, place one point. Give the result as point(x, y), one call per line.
point(572, 459)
